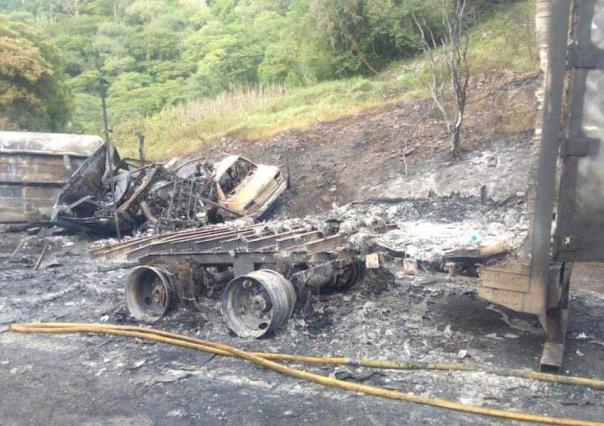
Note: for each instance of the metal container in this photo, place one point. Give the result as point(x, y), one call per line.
point(33, 169)
point(570, 134)
point(579, 233)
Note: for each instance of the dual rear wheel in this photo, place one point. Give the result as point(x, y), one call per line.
point(253, 304)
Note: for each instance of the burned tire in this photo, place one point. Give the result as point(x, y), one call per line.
point(258, 303)
point(149, 293)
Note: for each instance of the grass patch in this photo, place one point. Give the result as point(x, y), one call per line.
point(504, 40)
point(247, 112)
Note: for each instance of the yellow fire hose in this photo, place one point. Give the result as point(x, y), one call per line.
point(365, 362)
point(267, 360)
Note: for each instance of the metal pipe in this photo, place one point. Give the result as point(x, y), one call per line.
point(109, 157)
point(558, 23)
point(17, 248)
point(147, 212)
point(41, 258)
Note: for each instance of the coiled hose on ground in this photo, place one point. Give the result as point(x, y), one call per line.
point(268, 360)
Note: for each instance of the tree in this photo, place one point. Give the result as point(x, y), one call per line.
point(143, 11)
point(447, 59)
point(73, 7)
point(32, 93)
point(345, 25)
point(226, 55)
point(365, 35)
point(294, 53)
point(75, 35)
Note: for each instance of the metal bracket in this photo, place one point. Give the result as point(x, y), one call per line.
point(242, 268)
point(578, 147)
point(582, 58)
point(552, 357)
point(68, 166)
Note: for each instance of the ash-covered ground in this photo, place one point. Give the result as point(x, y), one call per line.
point(94, 379)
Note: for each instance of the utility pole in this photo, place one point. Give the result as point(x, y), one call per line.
point(141, 148)
point(109, 154)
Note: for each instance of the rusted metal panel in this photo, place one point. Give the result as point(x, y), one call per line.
point(34, 167)
point(24, 168)
point(23, 203)
point(509, 286)
point(511, 278)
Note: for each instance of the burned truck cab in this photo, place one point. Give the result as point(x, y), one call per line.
point(247, 188)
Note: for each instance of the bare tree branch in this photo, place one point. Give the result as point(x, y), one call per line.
point(72, 7)
point(448, 64)
point(437, 84)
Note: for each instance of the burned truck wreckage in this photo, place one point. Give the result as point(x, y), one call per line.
point(108, 195)
point(262, 272)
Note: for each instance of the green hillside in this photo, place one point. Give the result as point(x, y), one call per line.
point(185, 72)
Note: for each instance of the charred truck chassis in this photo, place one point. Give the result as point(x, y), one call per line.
point(262, 274)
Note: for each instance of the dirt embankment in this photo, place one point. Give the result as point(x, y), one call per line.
point(402, 150)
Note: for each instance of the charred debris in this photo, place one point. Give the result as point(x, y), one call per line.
point(262, 274)
point(191, 239)
point(108, 195)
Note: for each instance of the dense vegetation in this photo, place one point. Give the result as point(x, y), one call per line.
point(161, 52)
point(176, 67)
point(32, 91)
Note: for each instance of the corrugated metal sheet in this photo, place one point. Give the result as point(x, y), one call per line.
point(33, 169)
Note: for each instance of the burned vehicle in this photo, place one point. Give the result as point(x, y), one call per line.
point(246, 188)
point(262, 272)
point(107, 195)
